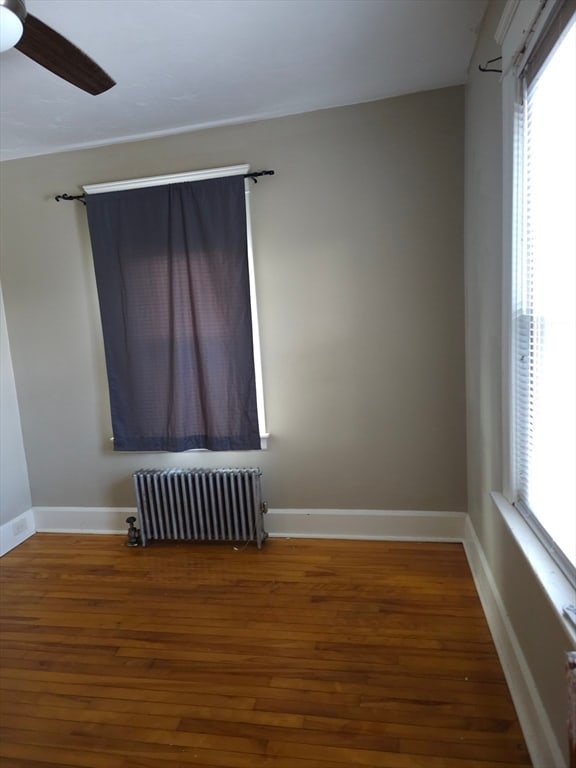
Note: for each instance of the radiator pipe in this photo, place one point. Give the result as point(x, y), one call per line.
point(133, 539)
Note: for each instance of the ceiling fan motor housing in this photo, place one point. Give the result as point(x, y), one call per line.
point(16, 6)
point(12, 15)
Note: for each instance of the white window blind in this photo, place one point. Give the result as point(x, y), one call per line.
point(545, 317)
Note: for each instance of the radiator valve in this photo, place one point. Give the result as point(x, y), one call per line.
point(133, 539)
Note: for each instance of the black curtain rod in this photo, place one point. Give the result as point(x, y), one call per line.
point(81, 198)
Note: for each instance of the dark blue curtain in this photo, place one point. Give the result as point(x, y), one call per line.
point(171, 266)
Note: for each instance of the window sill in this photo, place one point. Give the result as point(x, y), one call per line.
point(555, 584)
point(263, 446)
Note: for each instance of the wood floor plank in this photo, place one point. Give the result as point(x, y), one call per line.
point(309, 654)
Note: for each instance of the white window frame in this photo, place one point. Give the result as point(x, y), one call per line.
point(521, 25)
point(212, 173)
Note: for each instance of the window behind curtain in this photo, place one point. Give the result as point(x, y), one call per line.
point(545, 317)
point(171, 266)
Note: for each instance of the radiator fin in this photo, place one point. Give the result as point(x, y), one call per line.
point(200, 505)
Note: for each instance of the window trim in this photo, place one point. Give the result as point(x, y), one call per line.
point(211, 173)
point(555, 585)
point(168, 178)
point(521, 26)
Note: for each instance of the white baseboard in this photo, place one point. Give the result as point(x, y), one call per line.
point(365, 524)
point(538, 733)
point(287, 523)
point(82, 519)
point(15, 531)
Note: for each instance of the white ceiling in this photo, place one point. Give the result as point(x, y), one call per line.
point(187, 64)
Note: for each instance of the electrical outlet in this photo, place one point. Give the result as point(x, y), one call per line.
point(19, 526)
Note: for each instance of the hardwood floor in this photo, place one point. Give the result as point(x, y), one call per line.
point(308, 654)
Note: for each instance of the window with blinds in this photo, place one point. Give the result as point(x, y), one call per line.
point(544, 319)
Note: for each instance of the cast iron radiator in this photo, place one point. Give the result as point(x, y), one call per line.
point(201, 505)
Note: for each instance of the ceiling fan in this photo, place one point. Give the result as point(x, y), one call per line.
point(45, 46)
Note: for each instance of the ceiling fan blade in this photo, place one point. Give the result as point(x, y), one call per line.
point(57, 54)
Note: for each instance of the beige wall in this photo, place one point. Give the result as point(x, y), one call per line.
point(358, 246)
point(537, 627)
point(14, 485)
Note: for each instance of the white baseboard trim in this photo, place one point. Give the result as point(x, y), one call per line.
point(365, 524)
point(281, 523)
point(82, 519)
point(15, 531)
point(538, 733)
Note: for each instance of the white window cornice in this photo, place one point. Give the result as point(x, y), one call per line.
point(170, 178)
